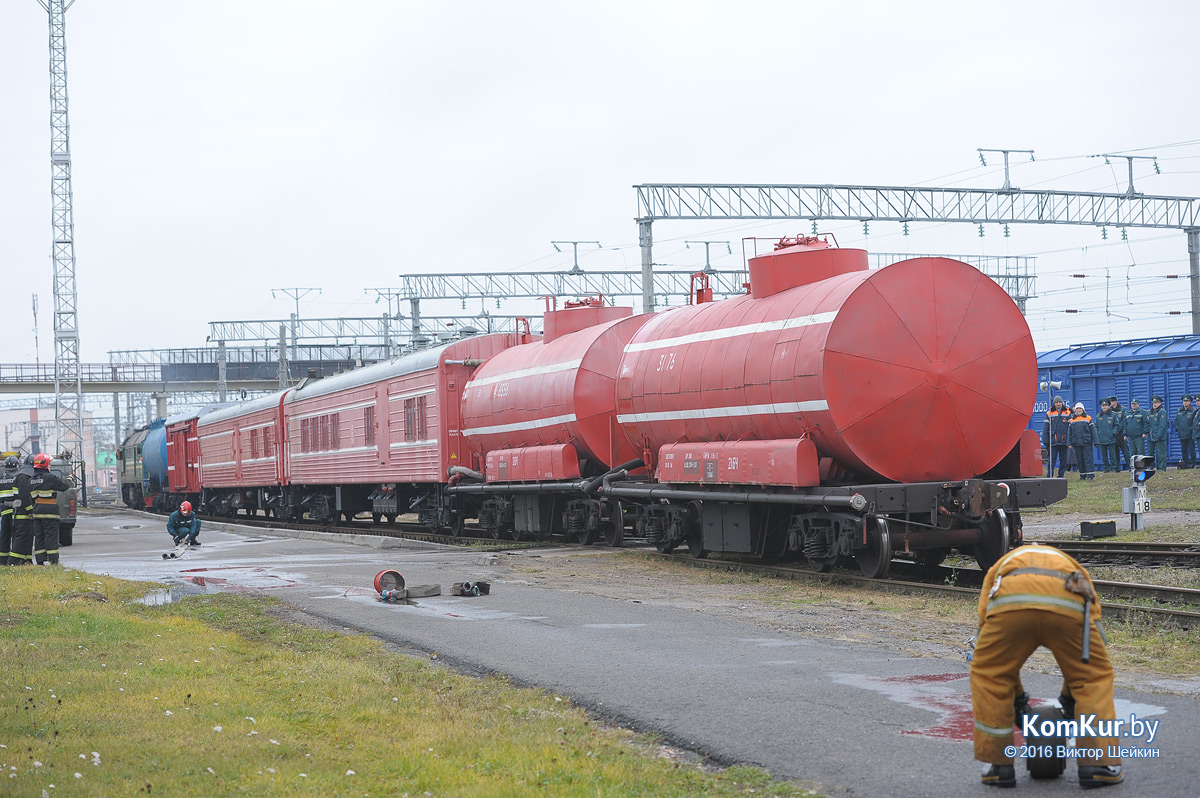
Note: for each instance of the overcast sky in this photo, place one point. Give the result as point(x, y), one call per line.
point(227, 147)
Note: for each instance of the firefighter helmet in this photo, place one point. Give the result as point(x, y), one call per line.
point(185, 508)
point(42, 461)
point(12, 461)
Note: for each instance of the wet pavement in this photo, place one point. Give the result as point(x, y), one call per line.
point(854, 720)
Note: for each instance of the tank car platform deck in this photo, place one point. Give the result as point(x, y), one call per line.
point(849, 719)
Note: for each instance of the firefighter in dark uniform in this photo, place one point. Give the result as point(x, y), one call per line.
point(1038, 596)
point(1081, 436)
point(38, 493)
point(1057, 419)
point(1185, 428)
point(1158, 431)
point(1122, 442)
point(20, 548)
point(8, 496)
point(1137, 426)
point(1106, 437)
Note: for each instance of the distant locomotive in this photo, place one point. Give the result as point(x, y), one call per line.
point(831, 413)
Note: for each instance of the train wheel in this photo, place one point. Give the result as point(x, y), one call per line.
point(614, 530)
point(376, 518)
point(456, 526)
point(821, 566)
point(516, 534)
point(876, 559)
point(993, 540)
point(391, 518)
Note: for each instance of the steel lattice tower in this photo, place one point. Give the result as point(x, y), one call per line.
point(68, 391)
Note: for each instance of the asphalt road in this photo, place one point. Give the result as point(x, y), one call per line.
point(853, 720)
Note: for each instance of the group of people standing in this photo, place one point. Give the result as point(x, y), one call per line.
point(1119, 433)
point(29, 511)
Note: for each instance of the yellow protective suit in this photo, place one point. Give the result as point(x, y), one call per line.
point(1025, 604)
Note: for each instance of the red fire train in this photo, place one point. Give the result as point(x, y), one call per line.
point(831, 413)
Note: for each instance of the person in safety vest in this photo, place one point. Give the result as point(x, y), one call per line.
point(1082, 434)
point(184, 525)
point(1038, 596)
point(37, 490)
point(1057, 419)
point(8, 497)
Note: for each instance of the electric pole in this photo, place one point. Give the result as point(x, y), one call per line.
point(1008, 186)
point(708, 269)
point(575, 247)
point(295, 294)
point(68, 388)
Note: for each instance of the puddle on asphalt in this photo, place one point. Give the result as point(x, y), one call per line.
point(159, 598)
point(129, 526)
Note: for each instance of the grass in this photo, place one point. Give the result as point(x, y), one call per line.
point(214, 696)
point(1168, 490)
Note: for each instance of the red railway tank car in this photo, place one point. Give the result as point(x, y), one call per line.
point(921, 371)
point(833, 413)
point(547, 412)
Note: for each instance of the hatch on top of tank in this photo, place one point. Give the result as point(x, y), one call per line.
point(800, 261)
point(578, 314)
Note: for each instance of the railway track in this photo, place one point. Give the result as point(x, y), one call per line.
point(955, 582)
point(472, 536)
point(1175, 555)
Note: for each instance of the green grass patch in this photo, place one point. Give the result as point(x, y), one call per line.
point(213, 696)
point(1168, 490)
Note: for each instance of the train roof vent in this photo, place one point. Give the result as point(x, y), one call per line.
point(800, 261)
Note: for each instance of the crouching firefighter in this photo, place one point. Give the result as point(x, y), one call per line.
point(37, 490)
point(1037, 596)
point(183, 525)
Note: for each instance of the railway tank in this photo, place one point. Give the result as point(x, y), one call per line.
point(924, 370)
point(547, 411)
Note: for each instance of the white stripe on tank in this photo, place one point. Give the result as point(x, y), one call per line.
point(569, 418)
point(731, 332)
point(725, 412)
point(533, 371)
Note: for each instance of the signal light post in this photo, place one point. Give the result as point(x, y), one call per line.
point(1134, 500)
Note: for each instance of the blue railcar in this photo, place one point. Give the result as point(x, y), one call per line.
point(1169, 367)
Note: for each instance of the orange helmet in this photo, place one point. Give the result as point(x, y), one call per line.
point(42, 461)
point(185, 508)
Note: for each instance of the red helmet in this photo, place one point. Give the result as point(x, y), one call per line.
point(185, 508)
point(42, 461)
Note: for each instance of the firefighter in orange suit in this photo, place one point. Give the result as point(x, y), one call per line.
point(1037, 596)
